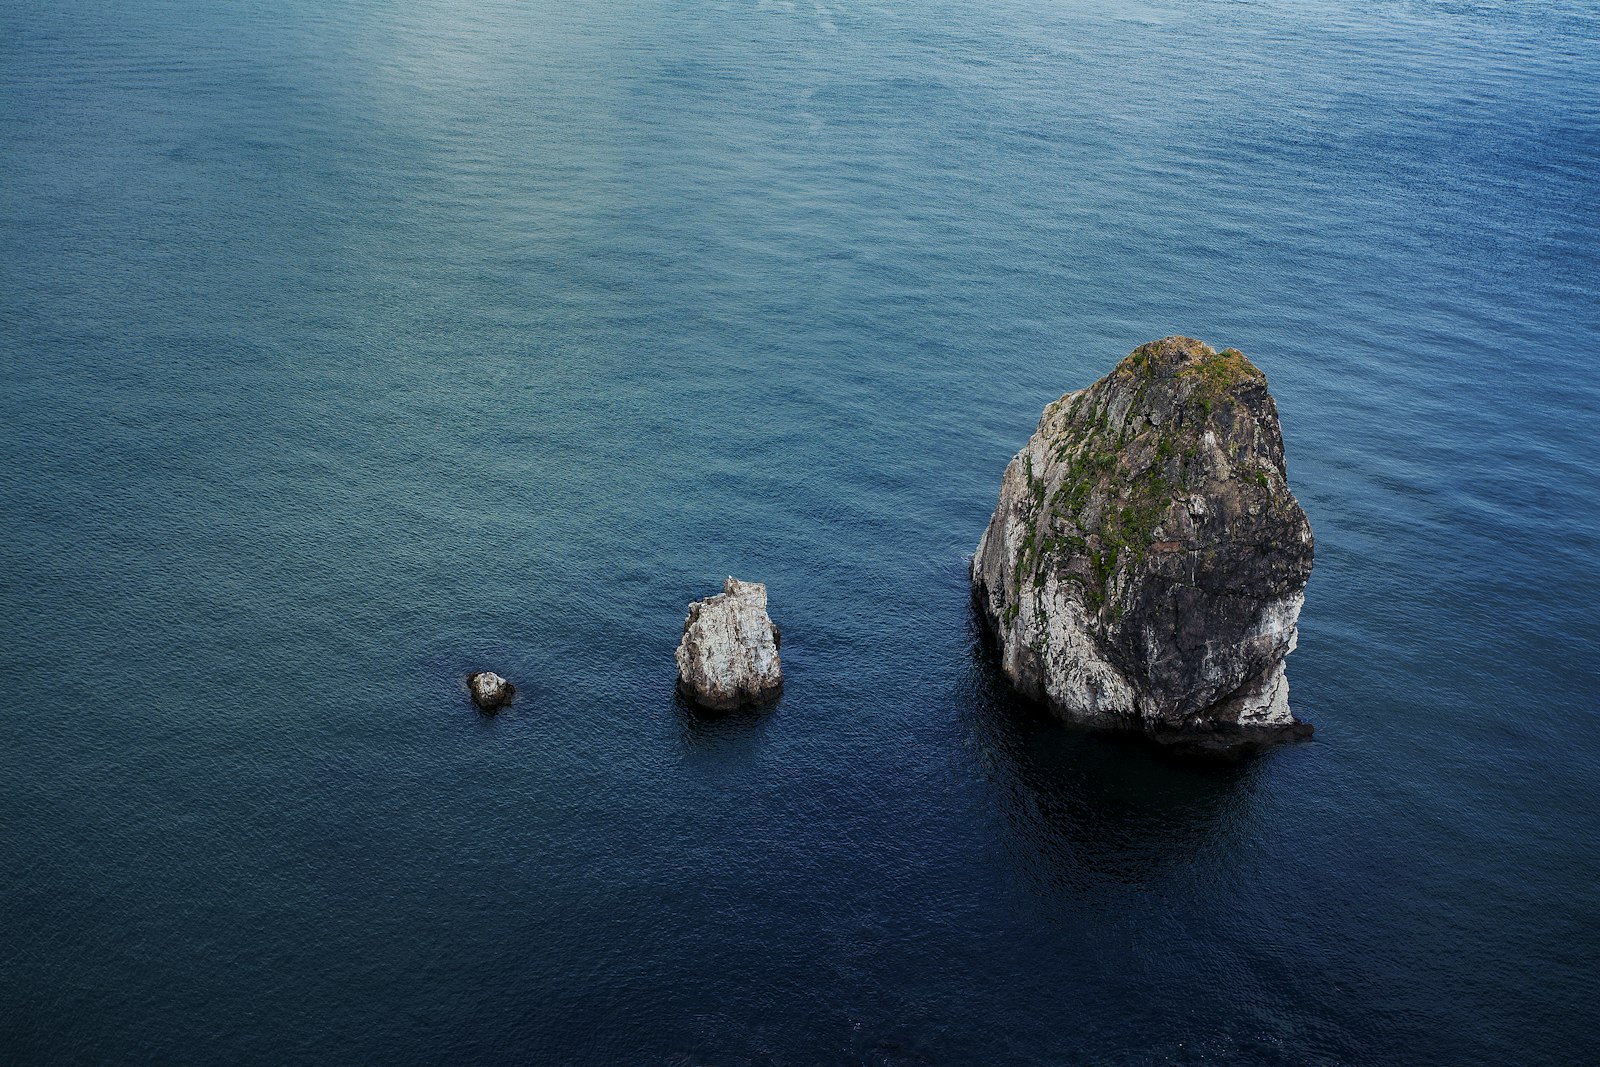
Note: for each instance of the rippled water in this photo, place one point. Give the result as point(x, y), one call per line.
point(351, 346)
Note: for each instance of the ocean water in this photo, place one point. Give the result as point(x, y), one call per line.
point(351, 346)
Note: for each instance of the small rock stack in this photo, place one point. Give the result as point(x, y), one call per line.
point(490, 691)
point(728, 657)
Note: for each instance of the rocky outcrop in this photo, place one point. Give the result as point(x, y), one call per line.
point(490, 691)
point(728, 657)
point(1146, 565)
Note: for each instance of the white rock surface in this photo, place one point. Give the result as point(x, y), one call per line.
point(728, 657)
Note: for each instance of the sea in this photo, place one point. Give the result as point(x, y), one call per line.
point(351, 346)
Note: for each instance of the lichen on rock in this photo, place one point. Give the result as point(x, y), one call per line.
point(1146, 564)
point(728, 656)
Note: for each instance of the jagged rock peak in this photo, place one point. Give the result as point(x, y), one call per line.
point(1146, 564)
point(728, 657)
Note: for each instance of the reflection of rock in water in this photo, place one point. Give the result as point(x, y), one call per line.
point(1087, 806)
point(707, 732)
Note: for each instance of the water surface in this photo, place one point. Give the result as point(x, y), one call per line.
point(349, 347)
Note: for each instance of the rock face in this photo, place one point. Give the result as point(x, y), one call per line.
point(728, 657)
point(1146, 565)
point(490, 691)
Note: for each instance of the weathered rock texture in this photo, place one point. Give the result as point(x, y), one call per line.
point(1146, 565)
point(490, 691)
point(728, 657)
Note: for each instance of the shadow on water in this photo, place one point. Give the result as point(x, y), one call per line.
point(1081, 805)
point(718, 734)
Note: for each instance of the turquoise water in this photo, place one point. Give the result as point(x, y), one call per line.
point(349, 347)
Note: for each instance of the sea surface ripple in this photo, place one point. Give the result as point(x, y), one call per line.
point(350, 346)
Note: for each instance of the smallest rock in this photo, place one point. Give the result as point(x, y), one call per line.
point(728, 657)
point(490, 691)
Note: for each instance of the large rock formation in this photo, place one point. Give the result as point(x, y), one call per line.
point(728, 657)
point(1147, 562)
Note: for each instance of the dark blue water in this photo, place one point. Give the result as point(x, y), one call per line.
point(349, 347)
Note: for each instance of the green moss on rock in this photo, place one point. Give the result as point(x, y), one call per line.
point(1115, 478)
